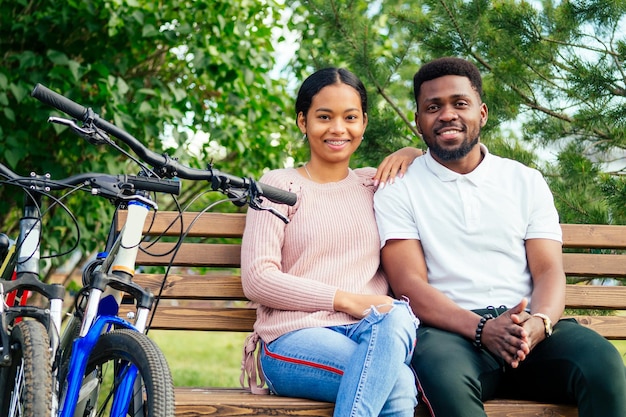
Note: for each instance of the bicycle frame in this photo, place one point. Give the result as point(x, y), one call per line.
point(23, 258)
point(100, 314)
point(78, 363)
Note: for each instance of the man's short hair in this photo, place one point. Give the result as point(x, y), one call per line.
point(447, 66)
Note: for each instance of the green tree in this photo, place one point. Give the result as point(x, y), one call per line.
point(555, 71)
point(175, 68)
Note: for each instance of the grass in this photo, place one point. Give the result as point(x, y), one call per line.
point(202, 358)
point(214, 358)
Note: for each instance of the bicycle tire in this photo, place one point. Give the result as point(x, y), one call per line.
point(27, 382)
point(113, 351)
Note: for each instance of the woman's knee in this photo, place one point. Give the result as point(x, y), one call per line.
point(402, 319)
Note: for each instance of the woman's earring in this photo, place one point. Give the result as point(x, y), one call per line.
point(304, 137)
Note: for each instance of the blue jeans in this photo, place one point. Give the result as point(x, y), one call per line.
point(364, 368)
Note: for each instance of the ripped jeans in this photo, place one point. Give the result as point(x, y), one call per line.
point(364, 368)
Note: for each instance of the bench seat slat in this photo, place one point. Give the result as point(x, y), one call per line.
point(194, 402)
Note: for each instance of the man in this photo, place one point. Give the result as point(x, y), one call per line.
point(474, 242)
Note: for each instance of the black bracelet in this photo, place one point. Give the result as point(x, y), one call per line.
point(479, 330)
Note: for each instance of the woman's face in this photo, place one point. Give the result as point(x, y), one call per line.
point(334, 124)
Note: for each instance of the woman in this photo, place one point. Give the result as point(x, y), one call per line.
point(328, 329)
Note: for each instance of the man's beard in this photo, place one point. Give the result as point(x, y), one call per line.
point(452, 154)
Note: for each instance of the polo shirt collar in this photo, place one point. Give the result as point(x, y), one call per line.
point(477, 176)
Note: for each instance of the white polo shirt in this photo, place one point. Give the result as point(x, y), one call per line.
point(472, 227)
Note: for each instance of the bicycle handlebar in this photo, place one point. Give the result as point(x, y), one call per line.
point(111, 186)
point(163, 163)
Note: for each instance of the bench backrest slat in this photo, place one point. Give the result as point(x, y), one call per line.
point(594, 265)
point(211, 286)
point(210, 224)
point(192, 254)
point(593, 236)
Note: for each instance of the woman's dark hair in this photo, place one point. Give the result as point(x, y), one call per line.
point(447, 66)
point(325, 77)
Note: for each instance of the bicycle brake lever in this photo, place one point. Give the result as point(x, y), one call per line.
point(254, 201)
point(92, 134)
point(255, 204)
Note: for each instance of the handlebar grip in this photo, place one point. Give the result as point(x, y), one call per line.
point(152, 184)
point(56, 100)
point(277, 195)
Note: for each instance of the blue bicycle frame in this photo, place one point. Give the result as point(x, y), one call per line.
point(82, 347)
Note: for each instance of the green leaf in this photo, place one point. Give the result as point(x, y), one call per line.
point(147, 91)
point(138, 16)
point(4, 81)
point(19, 92)
point(57, 58)
point(122, 86)
point(9, 114)
point(179, 93)
point(74, 69)
point(145, 107)
point(149, 31)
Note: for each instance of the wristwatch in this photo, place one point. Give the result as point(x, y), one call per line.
point(547, 323)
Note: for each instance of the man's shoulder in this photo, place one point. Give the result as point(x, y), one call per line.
point(500, 162)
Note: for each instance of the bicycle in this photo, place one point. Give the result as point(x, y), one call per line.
point(239, 190)
point(26, 330)
point(140, 379)
point(37, 341)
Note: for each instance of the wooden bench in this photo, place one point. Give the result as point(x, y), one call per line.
point(600, 255)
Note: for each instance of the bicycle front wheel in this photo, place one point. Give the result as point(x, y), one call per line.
point(108, 370)
point(27, 382)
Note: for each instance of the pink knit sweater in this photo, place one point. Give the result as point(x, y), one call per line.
point(292, 271)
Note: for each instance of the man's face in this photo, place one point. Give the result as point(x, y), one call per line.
point(450, 116)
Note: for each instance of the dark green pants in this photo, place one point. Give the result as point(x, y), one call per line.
point(575, 365)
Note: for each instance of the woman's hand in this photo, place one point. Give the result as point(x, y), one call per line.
point(358, 305)
point(395, 164)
